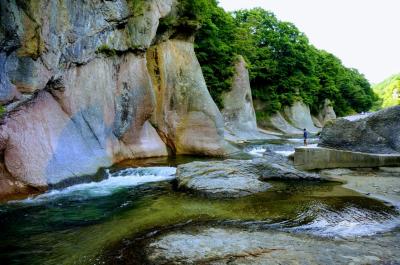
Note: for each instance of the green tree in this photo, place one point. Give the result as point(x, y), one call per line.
point(284, 67)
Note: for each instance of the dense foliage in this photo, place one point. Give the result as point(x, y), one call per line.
point(388, 92)
point(284, 66)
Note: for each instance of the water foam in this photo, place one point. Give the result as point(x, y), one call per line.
point(256, 151)
point(349, 222)
point(115, 181)
point(284, 153)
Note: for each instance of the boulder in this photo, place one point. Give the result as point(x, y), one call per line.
point(235, 178)
point(300, 117)
point(230, 178)
point(374, 133)
point(185, 115)
point(238, 111)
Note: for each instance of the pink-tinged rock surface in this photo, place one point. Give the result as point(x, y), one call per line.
point(98, 116)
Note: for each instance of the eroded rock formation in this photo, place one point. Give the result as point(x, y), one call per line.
point(326, 114)
point(238, 111)
point(300, 117)
point(292, 120)
point(185, 114)
point(79, 96)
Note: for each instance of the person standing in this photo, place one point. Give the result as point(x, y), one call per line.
point(305, 135)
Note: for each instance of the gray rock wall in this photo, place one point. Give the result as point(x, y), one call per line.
point(238, 111)
point(375, 133)
point(327, 113)
point(185, 115)
point(79, 96)
point(292, 120)
point(300, 117)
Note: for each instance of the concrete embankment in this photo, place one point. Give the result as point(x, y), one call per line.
point(309, 158)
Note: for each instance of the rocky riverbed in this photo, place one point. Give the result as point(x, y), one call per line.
point(141, 212)
point(202, 245)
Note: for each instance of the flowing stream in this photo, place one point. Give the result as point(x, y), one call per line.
point(79, 223)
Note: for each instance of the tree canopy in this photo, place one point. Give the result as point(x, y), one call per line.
point(388, 92)
point(284, 67)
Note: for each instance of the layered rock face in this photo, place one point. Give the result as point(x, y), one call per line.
point(375, 133)
point(79, 96)
point(292, 120)
point(299, 115)
point(185, 114)
point(278, 122)
point(326, 114)
point(238, 112)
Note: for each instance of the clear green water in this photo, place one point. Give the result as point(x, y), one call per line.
point(79, 227)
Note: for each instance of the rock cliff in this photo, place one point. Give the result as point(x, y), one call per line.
point(238, 111)
point(86, 84)
point(185, 114)
point(292, 120)
point(326, 114)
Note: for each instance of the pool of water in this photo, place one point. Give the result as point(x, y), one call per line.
point(79, 223)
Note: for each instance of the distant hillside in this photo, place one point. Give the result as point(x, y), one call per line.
point(388, 91)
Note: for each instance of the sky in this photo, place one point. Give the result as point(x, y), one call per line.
point(364, 34)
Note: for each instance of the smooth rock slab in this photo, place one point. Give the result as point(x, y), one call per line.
point(235, 246)
point(235, 178)
point(220, 179)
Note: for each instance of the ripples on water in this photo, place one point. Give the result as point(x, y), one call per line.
point(81, 220)
point(350, 221)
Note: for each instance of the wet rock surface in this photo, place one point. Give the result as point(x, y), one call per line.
point(230, 178)
point(383, 184)
point(375, 133)
point(80, 94)
point(236, 246)
point(235, 178)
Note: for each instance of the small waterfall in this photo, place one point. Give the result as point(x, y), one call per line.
point(115, 181)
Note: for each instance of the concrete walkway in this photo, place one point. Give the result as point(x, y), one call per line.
point(313, 157)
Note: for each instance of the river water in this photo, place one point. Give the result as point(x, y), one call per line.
point(84, 223)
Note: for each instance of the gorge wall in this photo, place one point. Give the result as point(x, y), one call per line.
point(238, 110)
point(293, 119)
point(86, 84)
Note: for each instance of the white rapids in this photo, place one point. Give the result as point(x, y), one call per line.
point(256, 151)
point(115, 181)
point(349, 222)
